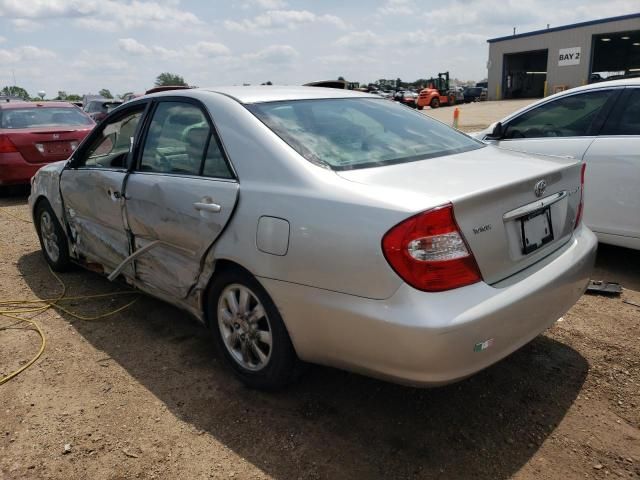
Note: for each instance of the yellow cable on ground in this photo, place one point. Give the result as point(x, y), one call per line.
point(13, 308)
point(43, 344)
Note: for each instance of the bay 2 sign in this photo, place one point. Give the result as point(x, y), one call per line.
point(569, 56)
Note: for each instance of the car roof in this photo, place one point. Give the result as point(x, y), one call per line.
point(272, 93)
point(25, 104)
point(609, 83)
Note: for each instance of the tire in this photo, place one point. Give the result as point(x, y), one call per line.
point(53, 240)
point(435, 102)
point(420, 107)
point(238, 339)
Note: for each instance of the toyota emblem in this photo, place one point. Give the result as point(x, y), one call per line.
point(540, 187)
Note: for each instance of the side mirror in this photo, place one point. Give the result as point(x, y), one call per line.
point(496, 131)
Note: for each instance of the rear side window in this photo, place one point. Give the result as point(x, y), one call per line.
point(42, 117)
point(180, 141)
point(569, 116)
point(628, 123)
point(353, 133)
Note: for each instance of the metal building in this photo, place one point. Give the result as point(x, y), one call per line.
point(543, 62)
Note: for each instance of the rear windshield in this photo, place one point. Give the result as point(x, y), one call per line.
point(345, 134)
point(42, 117)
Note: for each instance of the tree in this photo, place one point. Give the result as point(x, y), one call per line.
point(15, 91)
point(62, 95)
point(74, 97)
point(267, 83)
point(105, 93)
point(170, 79)
point(398, 83)
point(341, 78)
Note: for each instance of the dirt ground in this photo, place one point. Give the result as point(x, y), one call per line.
point(477, 115)
point(142, 395)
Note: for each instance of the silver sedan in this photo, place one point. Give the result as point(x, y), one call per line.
point(325, 226)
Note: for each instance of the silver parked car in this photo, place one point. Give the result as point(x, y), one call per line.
point(599, 124)
point(322, 225)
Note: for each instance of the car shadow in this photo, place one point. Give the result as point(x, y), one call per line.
point(618, 264)
point(334, 424)
point(13, 195)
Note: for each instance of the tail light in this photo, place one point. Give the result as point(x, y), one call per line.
point(429, 252)
point(581, 205)
point(6, 145)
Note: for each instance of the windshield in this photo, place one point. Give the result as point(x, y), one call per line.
point(110, 107)
point(42, 117)
point(357, 133)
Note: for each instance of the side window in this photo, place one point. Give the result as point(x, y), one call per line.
point(214, 164)
point(628, 123)
point(180, 141)
point(111, 147)
point(569, 116)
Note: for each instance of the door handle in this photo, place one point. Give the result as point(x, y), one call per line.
point(207, 207)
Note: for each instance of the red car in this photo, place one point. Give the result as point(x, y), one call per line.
point(34, 134)
point(407, 97)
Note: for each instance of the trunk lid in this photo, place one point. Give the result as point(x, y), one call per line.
point(47, 144)
point(496, 206)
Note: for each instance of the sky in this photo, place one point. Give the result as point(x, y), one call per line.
point(82, 46)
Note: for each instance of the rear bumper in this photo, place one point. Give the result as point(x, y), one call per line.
point(426, 339)
point(15, 170)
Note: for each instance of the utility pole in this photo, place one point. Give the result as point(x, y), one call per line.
point(14, 82)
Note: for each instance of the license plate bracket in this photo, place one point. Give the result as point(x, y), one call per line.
point(537, 230)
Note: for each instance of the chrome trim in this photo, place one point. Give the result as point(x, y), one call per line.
point(532, 207)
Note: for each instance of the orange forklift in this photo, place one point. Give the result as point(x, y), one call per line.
point(437, 93)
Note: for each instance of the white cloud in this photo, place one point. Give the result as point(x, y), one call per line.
point(265, 4)
point(24, 53)
point(428, 37)
point(397, 7)
point(107, 15)
point(133, 47)
point(197, 50)
point(338, 59)
point(47, 8)
point(367, 39)
point(98, 24)
point(210, 49)
point(359, 40)
point(86, 63)
point(276, 54)
point(25, 25)
point(279, 20)
point(2, 39)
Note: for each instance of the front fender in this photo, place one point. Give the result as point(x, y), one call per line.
point(46, 184)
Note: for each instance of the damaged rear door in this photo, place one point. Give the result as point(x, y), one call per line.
point(92, 186)
point(179, 196)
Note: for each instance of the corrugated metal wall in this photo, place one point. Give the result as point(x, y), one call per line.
point(569, 75)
